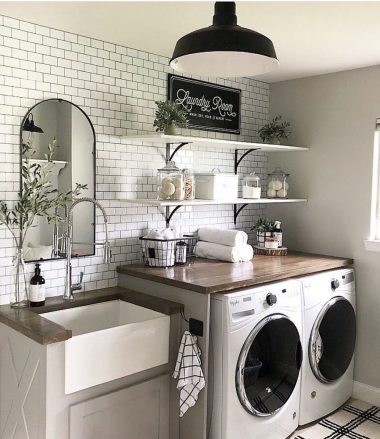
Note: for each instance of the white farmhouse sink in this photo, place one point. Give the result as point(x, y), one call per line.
point(111, 340)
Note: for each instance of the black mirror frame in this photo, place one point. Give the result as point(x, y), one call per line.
point(60, 100)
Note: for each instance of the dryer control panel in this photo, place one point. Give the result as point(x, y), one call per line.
point(242, 306)
point(249, 302)
point(342, 280)
point(348, 278)
point(322, 286)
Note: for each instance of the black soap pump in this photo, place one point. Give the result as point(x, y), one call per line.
point(37, 288)
point(277, 233)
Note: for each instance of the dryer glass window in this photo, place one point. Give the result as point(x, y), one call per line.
point(268, 366)
point(332, 342)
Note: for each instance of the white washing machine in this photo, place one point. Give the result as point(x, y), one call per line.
point(329, 342)
point(255, 361)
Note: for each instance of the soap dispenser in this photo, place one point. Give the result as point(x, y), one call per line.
point(37, 288)
point(277, 233)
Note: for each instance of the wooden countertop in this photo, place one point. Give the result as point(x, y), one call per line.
point(30, 321)
point(209, 276)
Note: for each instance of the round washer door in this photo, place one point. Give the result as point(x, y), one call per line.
point(332, 340)
point(268, 365)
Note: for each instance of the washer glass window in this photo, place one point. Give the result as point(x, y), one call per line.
point(332, 341)
point(268, 365)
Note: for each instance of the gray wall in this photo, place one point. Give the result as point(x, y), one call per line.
point(335, 114)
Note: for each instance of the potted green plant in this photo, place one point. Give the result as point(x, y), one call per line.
point(264, 229)
point(169, 115)
point(37, 198)
point(274, 131)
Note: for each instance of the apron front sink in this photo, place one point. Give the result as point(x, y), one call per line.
point(111, 340)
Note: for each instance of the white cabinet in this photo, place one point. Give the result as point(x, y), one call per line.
point(34, 405)
point(137, 412)
point(22, 387)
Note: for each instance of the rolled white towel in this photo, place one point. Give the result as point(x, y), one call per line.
point(160, 234)
point(209, 250)
point(168, 233)
point(153, 234)
point(246, 252)
point(232, 238)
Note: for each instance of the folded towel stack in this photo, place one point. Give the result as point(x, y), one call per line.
point(230, 238)
point(226, 245)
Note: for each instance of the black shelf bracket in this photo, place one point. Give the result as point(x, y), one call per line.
point(170, 155)
point(169, 215)
point(238, 210)
point(238, 160)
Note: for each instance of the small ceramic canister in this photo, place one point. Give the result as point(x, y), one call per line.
point(271, 243)
point(251, 186)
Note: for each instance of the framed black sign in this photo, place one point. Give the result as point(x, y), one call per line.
point(210, 106)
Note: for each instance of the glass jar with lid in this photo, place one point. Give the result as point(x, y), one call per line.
point(170, 183)
point(251, 186)
point(189, 184)
point(278, 186)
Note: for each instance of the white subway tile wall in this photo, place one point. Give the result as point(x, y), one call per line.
point(117, 87)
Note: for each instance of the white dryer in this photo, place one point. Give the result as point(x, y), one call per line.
point(329, 342)
point(255, 361)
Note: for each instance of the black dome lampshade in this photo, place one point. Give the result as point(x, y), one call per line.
point(29, 125)
point(224, 49)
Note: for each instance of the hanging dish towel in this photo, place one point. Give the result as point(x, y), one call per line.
point(189, 372)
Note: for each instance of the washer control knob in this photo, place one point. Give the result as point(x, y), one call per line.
point(335, 284)
point(271, 299)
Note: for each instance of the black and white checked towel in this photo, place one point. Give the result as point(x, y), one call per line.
point(189, 372)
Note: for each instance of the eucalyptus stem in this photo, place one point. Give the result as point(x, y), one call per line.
point(37, 198)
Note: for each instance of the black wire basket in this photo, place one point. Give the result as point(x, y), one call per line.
point(168, 252)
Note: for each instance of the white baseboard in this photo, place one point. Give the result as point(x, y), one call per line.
point(366, 393)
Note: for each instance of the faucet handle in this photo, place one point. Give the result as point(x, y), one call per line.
point(78, 286)
point(107, 253)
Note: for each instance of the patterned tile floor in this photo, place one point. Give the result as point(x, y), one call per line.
point(356, 420)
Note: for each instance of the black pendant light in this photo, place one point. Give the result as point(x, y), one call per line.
point(224, 49)
point(29, 125)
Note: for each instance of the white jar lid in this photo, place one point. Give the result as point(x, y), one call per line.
point(278, 173)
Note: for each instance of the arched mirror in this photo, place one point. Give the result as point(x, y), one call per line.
point(59, 138)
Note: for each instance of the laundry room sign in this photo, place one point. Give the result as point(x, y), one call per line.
point(210, 106)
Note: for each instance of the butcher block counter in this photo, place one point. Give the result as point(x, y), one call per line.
point(31, 321)
point(193, 287)
point(208, 276)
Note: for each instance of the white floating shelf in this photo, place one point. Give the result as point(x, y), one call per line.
point(159, 203)
point(44, 161)
point(204, 141)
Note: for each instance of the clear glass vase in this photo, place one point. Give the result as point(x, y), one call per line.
point(19, 293)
